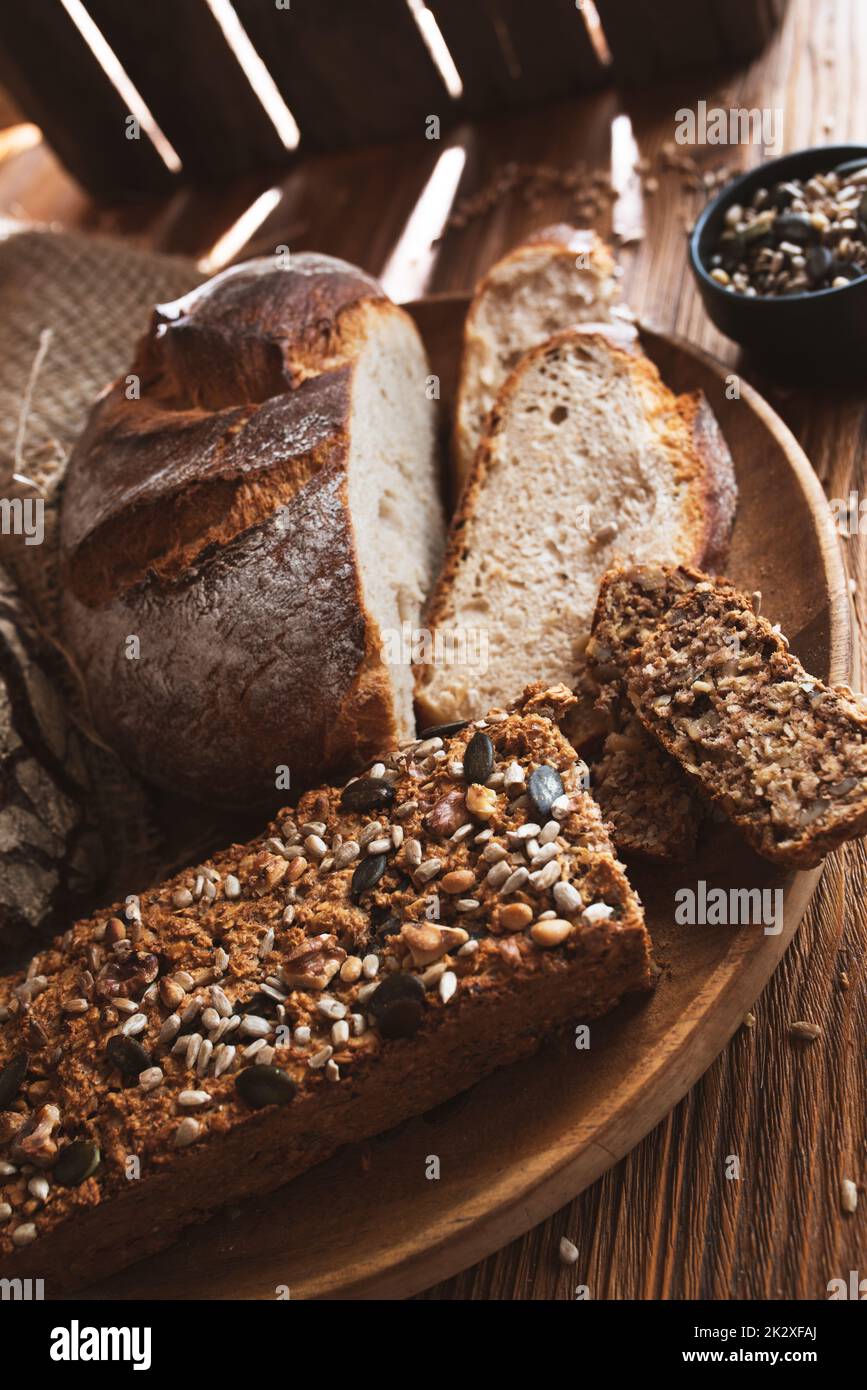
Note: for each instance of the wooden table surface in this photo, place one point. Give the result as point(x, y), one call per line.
point(666, 1222)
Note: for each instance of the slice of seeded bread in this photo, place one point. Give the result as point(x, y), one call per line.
point(647, 797)
point(559, 276)
point(589, 458)
point(647, 800)
point(632, 599)
point(782, 755)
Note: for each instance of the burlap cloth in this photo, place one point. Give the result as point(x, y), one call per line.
point(71, 310)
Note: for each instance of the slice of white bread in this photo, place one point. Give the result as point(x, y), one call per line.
point(558, 277)
point(589, 456)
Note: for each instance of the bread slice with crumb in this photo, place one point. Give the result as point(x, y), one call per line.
point(782, 755)
point(559, 276)
point(589, 458)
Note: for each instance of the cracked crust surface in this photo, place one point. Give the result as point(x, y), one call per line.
point(254, 505)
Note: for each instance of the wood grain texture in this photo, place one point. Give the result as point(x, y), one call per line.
point(664, 1222)
point(193, 85)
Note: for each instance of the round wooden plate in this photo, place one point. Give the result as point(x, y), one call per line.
point(369, 1223)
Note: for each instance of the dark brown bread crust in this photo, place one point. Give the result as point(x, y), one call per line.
point(210, 520)
point(721, 492)
point(293, 922)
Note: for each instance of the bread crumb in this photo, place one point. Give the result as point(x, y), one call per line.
point(848, 1195)
point(749, 1020)
point(569, 1252)
point(808, 1031)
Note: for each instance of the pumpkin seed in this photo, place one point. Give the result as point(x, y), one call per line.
point(265, 1085)
point(478, 759)
point(397, 1005)
point(367, 874)
point(127, 1055)
point(76, 1163)
point(366, 794)
point(544, 787)
point(443, 730)
point(819, 261)
point(11, 1078)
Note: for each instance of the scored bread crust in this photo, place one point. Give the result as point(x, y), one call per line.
point(686, 421)
point(557, 242)
point(210, 518)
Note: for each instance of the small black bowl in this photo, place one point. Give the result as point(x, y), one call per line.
point(818, 335)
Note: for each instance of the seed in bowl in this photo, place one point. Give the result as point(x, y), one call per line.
point(795, 237)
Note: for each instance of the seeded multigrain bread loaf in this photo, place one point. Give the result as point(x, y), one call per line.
point(249, 512)
point(558, 277)
point(781, 754)
point(376, 951)
point(589, 457)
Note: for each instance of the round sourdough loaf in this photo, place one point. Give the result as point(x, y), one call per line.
point(248, 514)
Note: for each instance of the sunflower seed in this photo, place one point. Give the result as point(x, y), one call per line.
point(170, 1029)
point(515, 881)
point(498, 874)
point(192, 1100)
point(546, 877)
point(493, 853)
point(428, 870)
point(566, 898)
point(187, 1132)
point(448, 985)
point(204, 1058)
point(412, 853)
point(253, 1026)
point(596, 912)
point(346, 854)
point(544, 855)
point(331, 1008)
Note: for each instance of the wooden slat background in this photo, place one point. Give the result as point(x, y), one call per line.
point(664, 1222)
point(57, 82)
point(351, 73)
point(193, 85)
